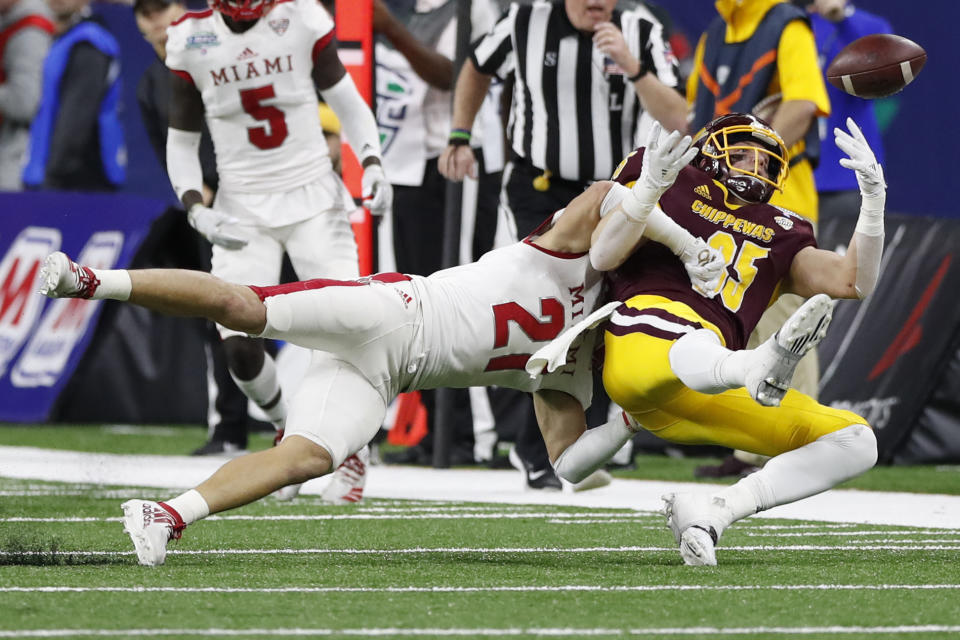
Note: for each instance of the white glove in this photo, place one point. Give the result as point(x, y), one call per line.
point(662, 162)
point(215, 226)
point(705, 266)
point(375, 191)
point(873, 189)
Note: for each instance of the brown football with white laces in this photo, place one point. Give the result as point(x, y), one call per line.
point(876, 66)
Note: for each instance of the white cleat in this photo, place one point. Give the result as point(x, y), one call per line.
point(151, 525)
point(697, 521)
point(698, 548)
point(346, 485)
point(776, 359)
point(60, 277)
point(288, 493)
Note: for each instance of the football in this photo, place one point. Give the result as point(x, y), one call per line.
point(876, 66)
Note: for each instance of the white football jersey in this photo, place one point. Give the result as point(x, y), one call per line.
point(258, 93)
point(482, 321)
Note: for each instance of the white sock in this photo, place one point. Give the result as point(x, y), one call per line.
point(190, 505)
point(703, 364)
point(803, 472)
point(263, 388)
point(114, 284)
point(593, 448)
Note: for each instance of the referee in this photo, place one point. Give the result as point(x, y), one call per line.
point(586, 78)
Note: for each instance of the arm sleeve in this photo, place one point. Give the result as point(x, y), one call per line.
point(23, 64)
point(493, 54)
point(622, 231)
point(183, 164)
point(798, 69)
point(356, 118)
point(81, 91)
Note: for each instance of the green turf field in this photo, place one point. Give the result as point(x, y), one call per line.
point(419, 569)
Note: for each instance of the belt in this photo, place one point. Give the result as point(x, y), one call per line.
point(543, 179)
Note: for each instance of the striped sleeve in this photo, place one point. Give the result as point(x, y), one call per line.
point(493, 54)
point(655, 52)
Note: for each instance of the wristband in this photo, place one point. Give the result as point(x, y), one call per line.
point(643, 71)
point(459, 137)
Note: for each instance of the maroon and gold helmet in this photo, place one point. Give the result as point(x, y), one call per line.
point(742, 133)
point(242, 10)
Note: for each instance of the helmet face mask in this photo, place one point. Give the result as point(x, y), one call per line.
point(242, 10)
point(743, 153)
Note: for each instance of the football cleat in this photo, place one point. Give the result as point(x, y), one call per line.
point(151, 525)
point(220, 448)
point(288, 493)
point(775, 360)
point(545, 479)
point(61, 277)
point(346, 485)
point(697, 521)
point(698, 547)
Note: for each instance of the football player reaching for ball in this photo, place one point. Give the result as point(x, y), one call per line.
point(697, 383)
point(253, 68)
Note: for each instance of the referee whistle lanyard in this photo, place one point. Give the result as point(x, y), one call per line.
point(542, 181)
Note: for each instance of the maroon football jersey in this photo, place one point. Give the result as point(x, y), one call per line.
point(758, 241)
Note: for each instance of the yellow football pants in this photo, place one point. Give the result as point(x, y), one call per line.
point(638, 377)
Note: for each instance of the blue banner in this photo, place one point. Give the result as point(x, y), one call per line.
point(41, 340)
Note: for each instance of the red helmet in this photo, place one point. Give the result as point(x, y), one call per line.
point(242, 10)
point(741, 134)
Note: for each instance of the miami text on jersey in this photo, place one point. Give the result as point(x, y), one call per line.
point(226, 75)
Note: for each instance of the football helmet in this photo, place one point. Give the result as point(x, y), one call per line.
point(745, 136)
point(243, 10)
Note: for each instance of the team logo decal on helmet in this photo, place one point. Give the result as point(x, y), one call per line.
point(242, 10)
point(743, 136)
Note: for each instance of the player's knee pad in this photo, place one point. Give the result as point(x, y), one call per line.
point(859, 444)
point(244, 356)
point(694, 358)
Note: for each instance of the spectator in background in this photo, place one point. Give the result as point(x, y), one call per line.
point(414, 79)
point(26, 29)
point(228, 420)
point(76, 141)
point(588, 81)
point(759, 56)
point(837, 23)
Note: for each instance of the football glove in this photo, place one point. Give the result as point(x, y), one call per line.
point(375, 191)
point(662, 161)
point(215, 226)
point(705, 266)
point(862, 161)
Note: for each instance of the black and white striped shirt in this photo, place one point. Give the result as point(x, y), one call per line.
point(574, 112)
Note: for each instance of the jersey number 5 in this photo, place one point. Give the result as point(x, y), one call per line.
point(262, 137)
point(535, 329)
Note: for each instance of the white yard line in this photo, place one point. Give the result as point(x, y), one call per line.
point(470, 632)
point(899, 546)
point(494, 589)
point(175, 473)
